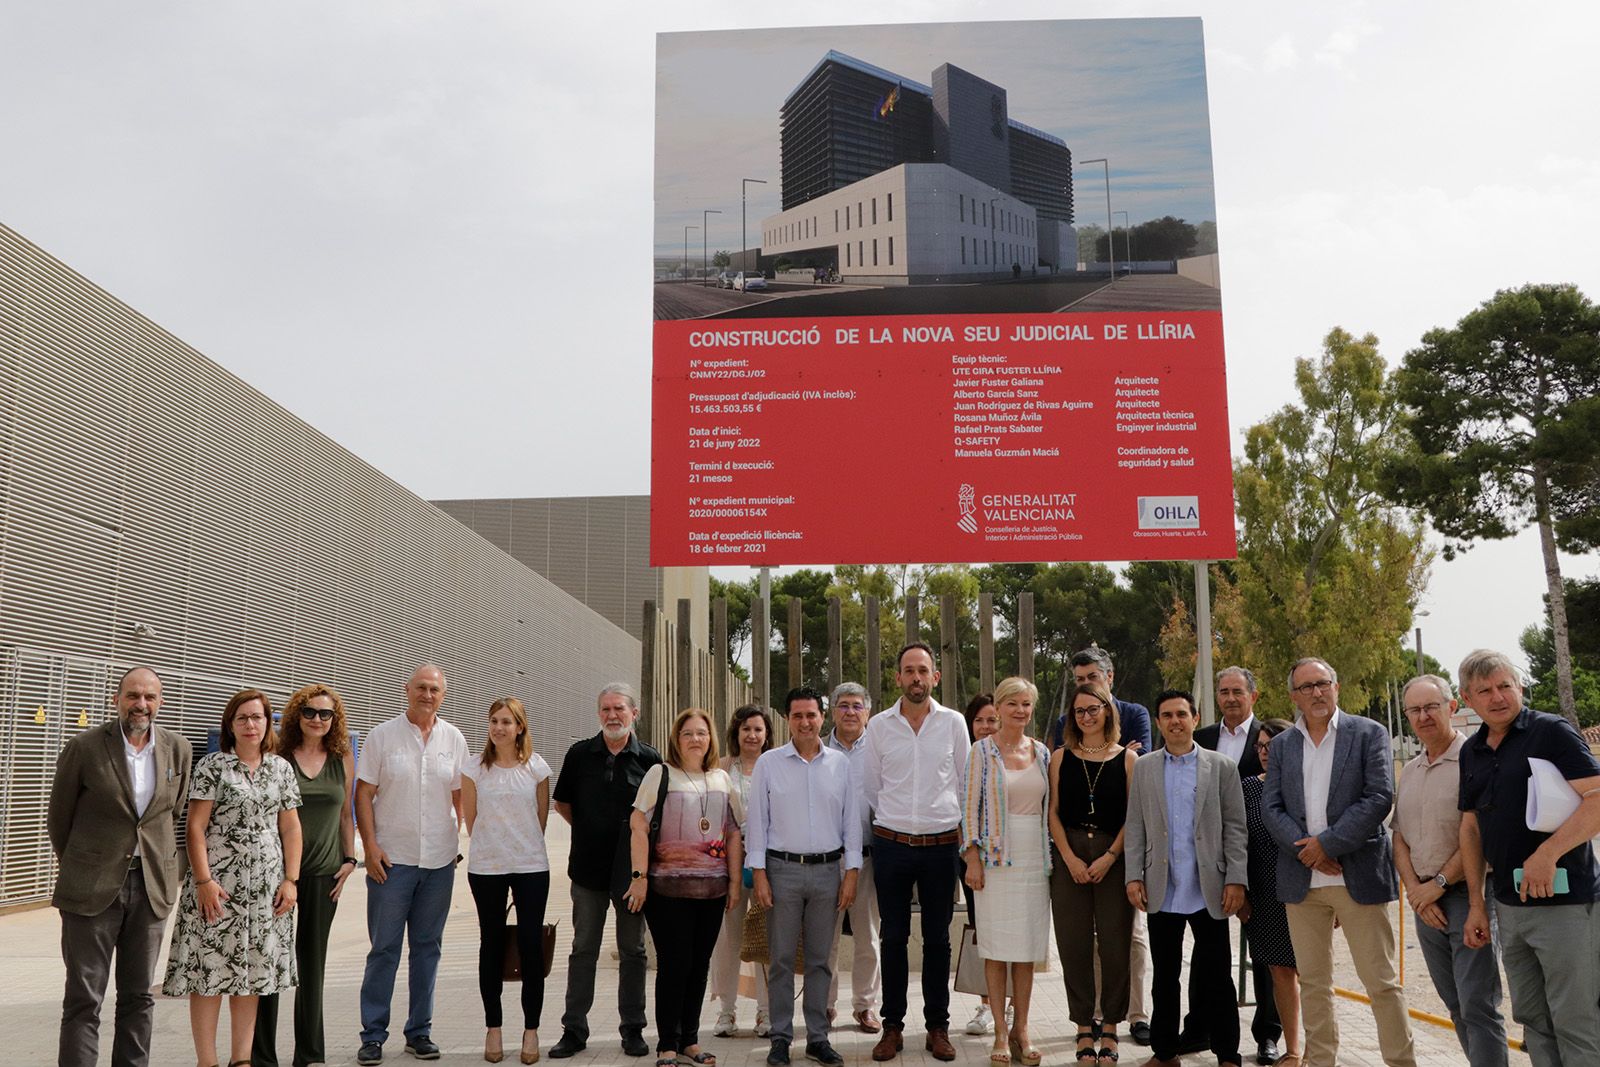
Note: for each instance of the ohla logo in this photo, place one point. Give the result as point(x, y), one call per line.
point(1169, 513)
point(967, 501)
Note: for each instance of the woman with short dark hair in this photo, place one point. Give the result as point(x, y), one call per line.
point(749, 735)
point(234, 934)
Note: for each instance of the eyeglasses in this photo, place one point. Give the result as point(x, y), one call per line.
point(1426, 709)
point(1262, 746)
point(1090, 710)
point(1321, 685)
point(325, 714)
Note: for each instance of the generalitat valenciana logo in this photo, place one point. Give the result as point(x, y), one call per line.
point(967, 500)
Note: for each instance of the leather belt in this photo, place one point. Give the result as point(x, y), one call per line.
point(948, 837)
point(805, 857)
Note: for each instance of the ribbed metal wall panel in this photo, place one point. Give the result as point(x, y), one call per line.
point(140, 483)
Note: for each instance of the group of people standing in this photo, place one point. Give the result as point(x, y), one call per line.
point(1123, 850)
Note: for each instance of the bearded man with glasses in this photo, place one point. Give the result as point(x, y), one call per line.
point(1330, 785)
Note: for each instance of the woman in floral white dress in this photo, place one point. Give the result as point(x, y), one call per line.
point(235, 928)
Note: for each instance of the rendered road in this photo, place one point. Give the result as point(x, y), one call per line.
point(1161, 292)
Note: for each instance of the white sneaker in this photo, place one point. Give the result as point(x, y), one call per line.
point(726, 1026)
point(763, 1024)
point(982, 1022)
point(1011, 1016)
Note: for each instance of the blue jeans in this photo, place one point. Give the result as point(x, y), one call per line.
point(1468, 981)
point(412, 899)
point(931, 872)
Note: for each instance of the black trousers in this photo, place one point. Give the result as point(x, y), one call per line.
point(313, 920)
point(1211, 972)
point(1265, 1026)
point(931, 871)
point(530, 891)
point(685, 932)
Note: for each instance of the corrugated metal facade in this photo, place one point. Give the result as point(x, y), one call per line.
point(156, 509)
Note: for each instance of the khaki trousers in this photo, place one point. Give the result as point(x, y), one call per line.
point(1369, 932)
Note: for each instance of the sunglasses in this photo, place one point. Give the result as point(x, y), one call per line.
point(325, 714)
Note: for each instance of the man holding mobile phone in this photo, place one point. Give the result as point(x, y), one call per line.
point(1548, 919)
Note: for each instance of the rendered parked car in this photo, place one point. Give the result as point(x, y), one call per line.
point(749, 281)
point(725, 280)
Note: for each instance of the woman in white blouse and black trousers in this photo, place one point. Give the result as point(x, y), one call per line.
point(505, 799)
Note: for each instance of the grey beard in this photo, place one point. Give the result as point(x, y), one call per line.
point(616, 733)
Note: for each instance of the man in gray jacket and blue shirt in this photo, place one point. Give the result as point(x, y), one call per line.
point(1187, 847)
point(1330, 785)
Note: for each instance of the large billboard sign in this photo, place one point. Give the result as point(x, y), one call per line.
point(918, 343)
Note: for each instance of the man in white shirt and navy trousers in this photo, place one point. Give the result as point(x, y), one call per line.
point(913, 777)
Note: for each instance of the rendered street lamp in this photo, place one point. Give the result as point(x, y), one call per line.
point(744, 241)
point(1111, 248)
point(686, 230)
point(1127, 237)
point(704, 219)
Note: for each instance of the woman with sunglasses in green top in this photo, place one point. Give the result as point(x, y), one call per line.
point(314, 739)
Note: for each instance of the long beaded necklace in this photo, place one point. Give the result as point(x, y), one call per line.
point(705, 800)
point(1084, 764)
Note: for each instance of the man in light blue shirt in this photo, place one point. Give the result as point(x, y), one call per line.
point(1186, 846)
point(803, 818)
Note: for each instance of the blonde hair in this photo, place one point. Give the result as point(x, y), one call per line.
point(675, 754)
point(1011, 687)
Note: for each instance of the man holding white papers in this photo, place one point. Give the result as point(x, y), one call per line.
point(1545, 884)
point(1427, 855)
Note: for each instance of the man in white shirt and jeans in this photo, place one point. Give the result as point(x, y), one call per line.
point(408, 800)
point(913, 777)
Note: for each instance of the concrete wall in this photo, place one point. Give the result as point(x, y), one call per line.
point(1203, 269)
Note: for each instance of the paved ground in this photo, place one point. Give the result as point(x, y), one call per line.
point(30, 961)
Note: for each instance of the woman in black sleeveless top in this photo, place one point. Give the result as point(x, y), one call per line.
point(1089, 778)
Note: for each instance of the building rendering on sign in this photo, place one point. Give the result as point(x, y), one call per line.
point(892, 182)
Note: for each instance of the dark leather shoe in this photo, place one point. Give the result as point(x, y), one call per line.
point(634, 1044)
point(371, 1052)
point(422, 1047)
point(890, 1044)
point(938, 1043)
point(1267, 1052)
point(1140, 1033)
point(778, 1056)
point(569, 1045)
point(823, 1053)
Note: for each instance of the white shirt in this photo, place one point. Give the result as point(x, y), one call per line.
point(1231, 742)
point(506, 838)
point(1316, 777)
point(142, 772)
point(914, 781)
point(855, 752)
point(413, 815)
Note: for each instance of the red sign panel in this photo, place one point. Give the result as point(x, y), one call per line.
point(940, 438)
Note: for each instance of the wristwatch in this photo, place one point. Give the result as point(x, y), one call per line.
point(636, 876)
point(1441, 881)
point(351, 860)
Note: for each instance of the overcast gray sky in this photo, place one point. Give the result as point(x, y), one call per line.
point(426, 227)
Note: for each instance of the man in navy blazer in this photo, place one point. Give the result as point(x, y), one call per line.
point(1330, 785)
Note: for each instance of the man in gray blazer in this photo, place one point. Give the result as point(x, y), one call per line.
point(1330, 785)
point(1187, 847)
point(113, 816)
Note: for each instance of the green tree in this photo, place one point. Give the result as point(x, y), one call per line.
point(739, 595)
point(721, 258)
point(1325, 568)
point(1504, 419)
point(1205, 239)
point(1583, 605)
point(1090, 238)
